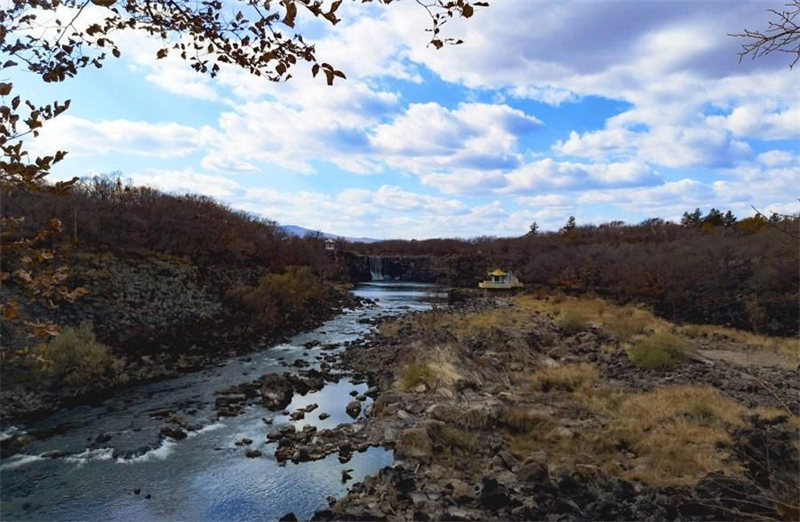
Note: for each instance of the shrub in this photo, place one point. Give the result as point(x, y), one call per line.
point(572, 321)
point(281, 297)
point(77, 360)
point(658, 350)
point(752, 225)
point(692, 331)
point(627, 322)
point(417, 374)
point(565, 378)
point(520, 420)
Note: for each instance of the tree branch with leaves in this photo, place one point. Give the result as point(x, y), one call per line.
point(56, 39)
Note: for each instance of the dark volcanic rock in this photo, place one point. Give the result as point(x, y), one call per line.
point(276, 391)
point(175, 433)
point(353, 408)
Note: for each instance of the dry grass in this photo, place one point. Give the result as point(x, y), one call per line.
point(568, 378)
point(416, 374)
point(789, 346)
point(573, 320)
point(571, 313)
point(454, 440)
point(679, 434)
point(523, 420)
point(670, 436)
point(628, 321)
point(658, 350)
point(623, 322)
point(390, 329)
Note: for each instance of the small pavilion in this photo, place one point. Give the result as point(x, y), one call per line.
point(499, 280)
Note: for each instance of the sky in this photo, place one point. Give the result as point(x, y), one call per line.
point(605, 110)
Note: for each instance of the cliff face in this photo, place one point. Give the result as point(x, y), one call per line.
point(396, 268)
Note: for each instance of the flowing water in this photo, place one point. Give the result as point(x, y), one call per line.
point(205, 476)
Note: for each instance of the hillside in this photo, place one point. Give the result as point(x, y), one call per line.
point(172, 284)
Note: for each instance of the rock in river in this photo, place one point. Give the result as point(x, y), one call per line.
point(353, 408)
point(175, 433)
point(276, 391)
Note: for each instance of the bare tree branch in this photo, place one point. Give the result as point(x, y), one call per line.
point(782, 35)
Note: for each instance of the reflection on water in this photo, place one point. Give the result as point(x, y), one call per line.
point(205, 476)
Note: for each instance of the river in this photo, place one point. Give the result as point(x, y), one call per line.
point(205, 476)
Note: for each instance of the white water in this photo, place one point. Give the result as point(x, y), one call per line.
point(20, 460)
point(205, 476)
point(159, 453)
point(378, 269)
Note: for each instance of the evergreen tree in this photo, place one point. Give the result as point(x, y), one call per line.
point(714, 217)
point(693, 219)
point(728, 219)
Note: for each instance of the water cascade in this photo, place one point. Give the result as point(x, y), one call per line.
point(376, 272)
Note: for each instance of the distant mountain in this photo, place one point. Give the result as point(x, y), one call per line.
point(295, 230)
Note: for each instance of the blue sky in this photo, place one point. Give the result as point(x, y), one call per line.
point(602, 110)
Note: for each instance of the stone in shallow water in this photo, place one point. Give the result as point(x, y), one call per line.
point(175, 433)
point(353, 408)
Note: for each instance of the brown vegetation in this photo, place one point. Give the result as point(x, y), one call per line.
point(743, 275)
point(657, 350)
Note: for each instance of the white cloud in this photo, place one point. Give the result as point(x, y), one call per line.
point(547, 174)
point(188, 182)
point(429, 137)
point(599, 145)
point(326, 124)
point(774, 158)
point(675, 146)
point(386, 212)
point(83, 137)
point(762, 120)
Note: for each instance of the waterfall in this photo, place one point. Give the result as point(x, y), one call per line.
point(376, 268)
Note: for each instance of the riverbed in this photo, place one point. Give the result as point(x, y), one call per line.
point(110, 461)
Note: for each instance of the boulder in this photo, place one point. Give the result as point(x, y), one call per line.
point(494, 495)
point(103, 437)
point(353, 408)
point(276, 391)
point(174, 433)
point(462, 492)
point(533, 471)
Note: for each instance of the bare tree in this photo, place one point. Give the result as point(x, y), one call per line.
point(782, 35)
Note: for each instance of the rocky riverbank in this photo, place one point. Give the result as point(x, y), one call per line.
point(513, 409)
point(159, 316)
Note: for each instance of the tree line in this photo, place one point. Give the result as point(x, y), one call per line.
point(710, 268)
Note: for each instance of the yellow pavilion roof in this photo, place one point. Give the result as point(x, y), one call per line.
point(497, 272)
